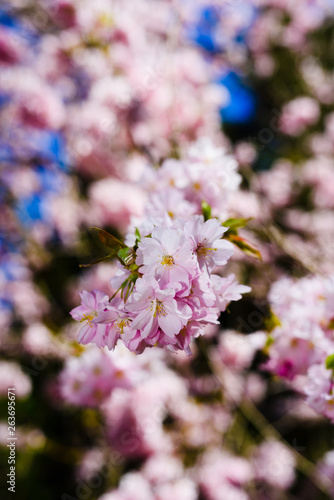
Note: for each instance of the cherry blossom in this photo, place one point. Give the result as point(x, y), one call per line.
point(168, 256)
point(158, 313)
point(91, 304)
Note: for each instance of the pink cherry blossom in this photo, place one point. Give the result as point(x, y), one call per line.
point(222, 475)
point(274, 463)
point(11, 375)
point(117, 319)
point(91, 305)
point(88, 379)
point(212, 175)
point(167, 255)
point(227, 289)
point(201, 299)
point(298, 114)
point(326, 470)
point(319, 390)
point(210, 248)
point(156, 310)
point(192, 330)
point(171, 201)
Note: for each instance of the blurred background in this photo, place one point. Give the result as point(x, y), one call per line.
point(93, 96)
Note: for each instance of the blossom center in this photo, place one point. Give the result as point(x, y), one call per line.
point(121, 324)
point(159, 308)
point(89, 318)
point(204, 251)
point(168, 261)
point(76, 385)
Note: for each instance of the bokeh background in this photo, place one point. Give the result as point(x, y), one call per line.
point(92, 96)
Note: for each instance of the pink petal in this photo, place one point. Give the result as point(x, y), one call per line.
point(86, 334)
point(170, 324)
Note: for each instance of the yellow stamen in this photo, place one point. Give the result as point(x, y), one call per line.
point(159, 308)
point(168, 261)
point(89, 318)
point(121, 324)
point(119, 374)
point(98, 394)
point(294, 342)
point(205, 251)
point(77, 385)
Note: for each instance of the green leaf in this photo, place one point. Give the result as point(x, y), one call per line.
point(271, 322)
point(134, 269)
point(235, 224)
point(137, 233)
point(206, 210)
point(114, 244)
point(232, 235)
point(126, 256)
point(109, 240)
point(103, 259)
point(266, 347)
point(330, 362)
point(269, 341)
point(244, 246)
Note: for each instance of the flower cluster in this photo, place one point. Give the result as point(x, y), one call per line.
point(136, 394)
point(300, 347)
point(203, 173)
point(112, 78)
point(89, 379)
point(172, 291)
